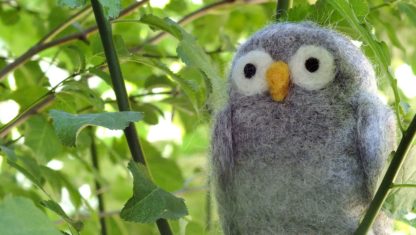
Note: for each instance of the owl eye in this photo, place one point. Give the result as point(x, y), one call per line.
point(248, 73)
point(312, 64)
point(312, 67)
point(249, 70)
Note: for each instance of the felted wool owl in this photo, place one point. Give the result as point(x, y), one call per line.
point(303, 138)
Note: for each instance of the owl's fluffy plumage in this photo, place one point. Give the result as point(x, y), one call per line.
point(308, 164)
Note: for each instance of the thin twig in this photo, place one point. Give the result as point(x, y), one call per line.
point(96, 166)
point(385, 186)
point(43, 45)
point(51, 35)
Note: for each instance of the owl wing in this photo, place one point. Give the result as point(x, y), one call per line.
point(222, 145)
point(223, 162)
point(376, 128)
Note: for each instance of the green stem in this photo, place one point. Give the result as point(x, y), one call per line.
point(403, 186)
point(121, 93)
point(208, 207)
point(95, 164)
point(282, 7)
point(117, 78)
point(389, 177)
point(48, 37)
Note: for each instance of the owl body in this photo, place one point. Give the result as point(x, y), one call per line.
point(307, 164)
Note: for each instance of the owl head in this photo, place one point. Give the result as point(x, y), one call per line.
point(287, 60)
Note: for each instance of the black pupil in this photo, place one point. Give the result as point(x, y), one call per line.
point(249, 70)
point(312, 64)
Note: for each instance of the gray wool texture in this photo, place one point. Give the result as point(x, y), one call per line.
point(309, 164)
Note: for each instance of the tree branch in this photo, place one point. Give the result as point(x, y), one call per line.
point(46, 43)
point(121, 93)
point(389, 177)
point(39, 105)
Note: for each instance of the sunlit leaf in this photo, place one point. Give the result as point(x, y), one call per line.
point(67, 126)
point(149, 202)
point(25, 165)
point(150, 112)
point(58, 180)
point(55, 207)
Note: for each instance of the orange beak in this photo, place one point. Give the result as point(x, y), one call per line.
point(278, 80)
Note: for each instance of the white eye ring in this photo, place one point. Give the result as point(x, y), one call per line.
point(312, 67)
point(255, 83)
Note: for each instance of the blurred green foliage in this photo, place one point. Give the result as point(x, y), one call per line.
point(176, 80)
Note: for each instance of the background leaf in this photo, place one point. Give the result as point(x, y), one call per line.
point(72, 3)
point(19, 216)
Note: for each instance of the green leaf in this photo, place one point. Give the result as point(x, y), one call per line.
point(188, 86)
point(25, 165)
point(198, 78)
point(379, 49)
point(77, 57)
point(165, 172)
point(19, 216)
point(149, 202)
point(101, 74)
point(55, 207)
point(192, 54)
point(150, 112)
point(360, 8)
point(83, 94)
point(59, 180)
point(30, 74)
point(120, 45)
point(32, 93)
point(158, 82)
point(67, 126)
point(409, 10)
point(9, 17)
point(166, 25)
point(111, 7)
point(41, 138)
point(72, 3)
